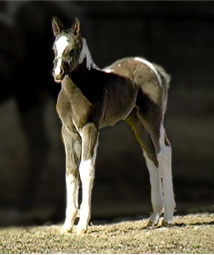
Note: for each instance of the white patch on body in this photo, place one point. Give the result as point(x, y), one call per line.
point(107, 70)
point(85, 53)
point(60, 45)
point(151, 66)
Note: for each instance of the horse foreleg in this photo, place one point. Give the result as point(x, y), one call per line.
point(89, 136)
point(72, 143)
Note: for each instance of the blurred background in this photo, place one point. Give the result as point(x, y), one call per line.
point(177, 35)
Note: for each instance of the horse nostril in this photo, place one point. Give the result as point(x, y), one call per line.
point(58, 74)
point(61, 72)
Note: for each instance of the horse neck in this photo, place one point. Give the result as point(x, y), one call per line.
point(86, 55)
point(69, 87)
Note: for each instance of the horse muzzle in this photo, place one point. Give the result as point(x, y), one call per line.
point(58, 74)
point(58, 77)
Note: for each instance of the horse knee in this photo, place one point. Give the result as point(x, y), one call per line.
point(86, 170)
point(71, 171)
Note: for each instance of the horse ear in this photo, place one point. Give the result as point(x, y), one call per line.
point(76, 27)
point(57, 26)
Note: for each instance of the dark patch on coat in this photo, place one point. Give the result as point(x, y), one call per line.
point(151, 116)
point(95, 83)
point(110, 94)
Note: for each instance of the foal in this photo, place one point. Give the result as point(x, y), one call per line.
point(131, 89)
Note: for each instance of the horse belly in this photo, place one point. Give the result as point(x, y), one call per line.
point(118, 104)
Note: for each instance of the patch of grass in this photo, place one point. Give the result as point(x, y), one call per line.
point(190, 234)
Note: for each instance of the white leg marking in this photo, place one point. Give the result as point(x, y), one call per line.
point(165, 167)
point(72, 150)
point(87, 177)
point(156, 192)
point(72, 187)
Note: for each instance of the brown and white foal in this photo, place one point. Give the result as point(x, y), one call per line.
point(131, 89)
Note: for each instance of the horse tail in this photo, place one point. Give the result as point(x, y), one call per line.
point(165, 79)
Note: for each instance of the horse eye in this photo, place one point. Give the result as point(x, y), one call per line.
point(71, 52)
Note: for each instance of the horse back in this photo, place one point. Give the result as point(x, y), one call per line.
point(142, 73)
point(152, 83)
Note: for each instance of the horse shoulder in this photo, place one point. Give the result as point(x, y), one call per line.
point(76, 104)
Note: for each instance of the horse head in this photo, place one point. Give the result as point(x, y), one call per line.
point(67, 48)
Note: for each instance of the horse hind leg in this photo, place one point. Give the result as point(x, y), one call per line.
point(165, 168)
point(152, 115)
point(149, 152)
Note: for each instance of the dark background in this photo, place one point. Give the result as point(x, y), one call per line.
point(177, 35)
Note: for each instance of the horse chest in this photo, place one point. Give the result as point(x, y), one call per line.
point(73, 108)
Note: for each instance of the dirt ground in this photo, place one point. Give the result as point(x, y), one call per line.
point(190, 234)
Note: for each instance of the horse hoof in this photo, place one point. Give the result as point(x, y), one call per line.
point(66, 229)
point(80, 230)
point(151, 224)
point(167, 224)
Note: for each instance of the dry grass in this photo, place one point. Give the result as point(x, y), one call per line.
point(190, 234)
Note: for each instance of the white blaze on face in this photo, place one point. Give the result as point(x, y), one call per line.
point(60, 44)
